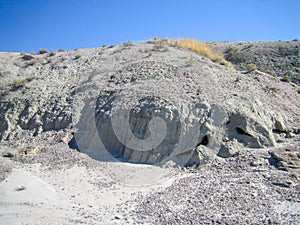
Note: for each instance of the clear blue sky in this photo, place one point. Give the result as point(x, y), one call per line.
point(27, 25)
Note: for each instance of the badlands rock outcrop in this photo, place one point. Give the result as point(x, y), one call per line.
point(145, 104)
point(165, 136)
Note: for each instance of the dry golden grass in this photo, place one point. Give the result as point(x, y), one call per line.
point(198, 47)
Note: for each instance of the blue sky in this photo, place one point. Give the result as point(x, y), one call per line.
point(27, 25)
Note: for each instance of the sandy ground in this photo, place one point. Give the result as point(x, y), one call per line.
point(76, 189)
point(34, 194)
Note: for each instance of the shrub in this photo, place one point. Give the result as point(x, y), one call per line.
point(31, 62)
point(251, 67)
point(262, 69)
point(127, 43)
point(286, 78)
point(51, 53)
point(29, 78)
point(220, 59)
point(61, 50)
point(298, 90)
point(190, 62)
point(273, 89)
point(77, 56)
point(42, 51)
point(21, 83)
point(18, 84)
point(160, 45)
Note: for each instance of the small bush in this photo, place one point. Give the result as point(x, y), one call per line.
point(61, 50)
point(220, 59)
point(160, 45)
point(42, 51)
point(32, 62)
point(262, 69)
point(51, 53)
point(298, 90)
point(273, 89)
point(27, 57)
point(127, 44)
point(18, 84)
point(21, 83)
point(233, 54)
point(29, 78)
point(190, 62)
point(286, 78)
point(77, 56)
point(251, 67)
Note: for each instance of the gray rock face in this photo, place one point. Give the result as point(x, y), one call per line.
point(153, 129)
point(124, 103)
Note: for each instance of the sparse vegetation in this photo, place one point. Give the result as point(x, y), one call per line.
point(190, 62)
point(145, 50)
point(51, 53)
point(61, 50)
point(251, 67)
point(265, 70)
point(77, 56)
point(127, 43)
point(233, 54)
point(262, 69)
point(298, 90)
point(18, 84)
point(42, 51)
point(21, 83)
point(160, 45)
point(272, 89)
point(200, 48)
point(31, 62)
point(286, 78)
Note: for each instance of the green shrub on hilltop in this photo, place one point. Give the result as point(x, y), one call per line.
point(42, 51)
point(251, 67)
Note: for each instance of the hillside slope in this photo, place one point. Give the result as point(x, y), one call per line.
point(279, 58)
point(145, 133)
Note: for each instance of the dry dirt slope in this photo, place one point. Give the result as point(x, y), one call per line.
point(46, 97)
point(279, 58)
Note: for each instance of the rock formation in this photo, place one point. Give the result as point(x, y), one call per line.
point(145, 105)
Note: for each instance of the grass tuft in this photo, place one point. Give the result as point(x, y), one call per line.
point(251, 67)
point(42, 51)
point(286, 78)
point(200, 48)
point(21, 83)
